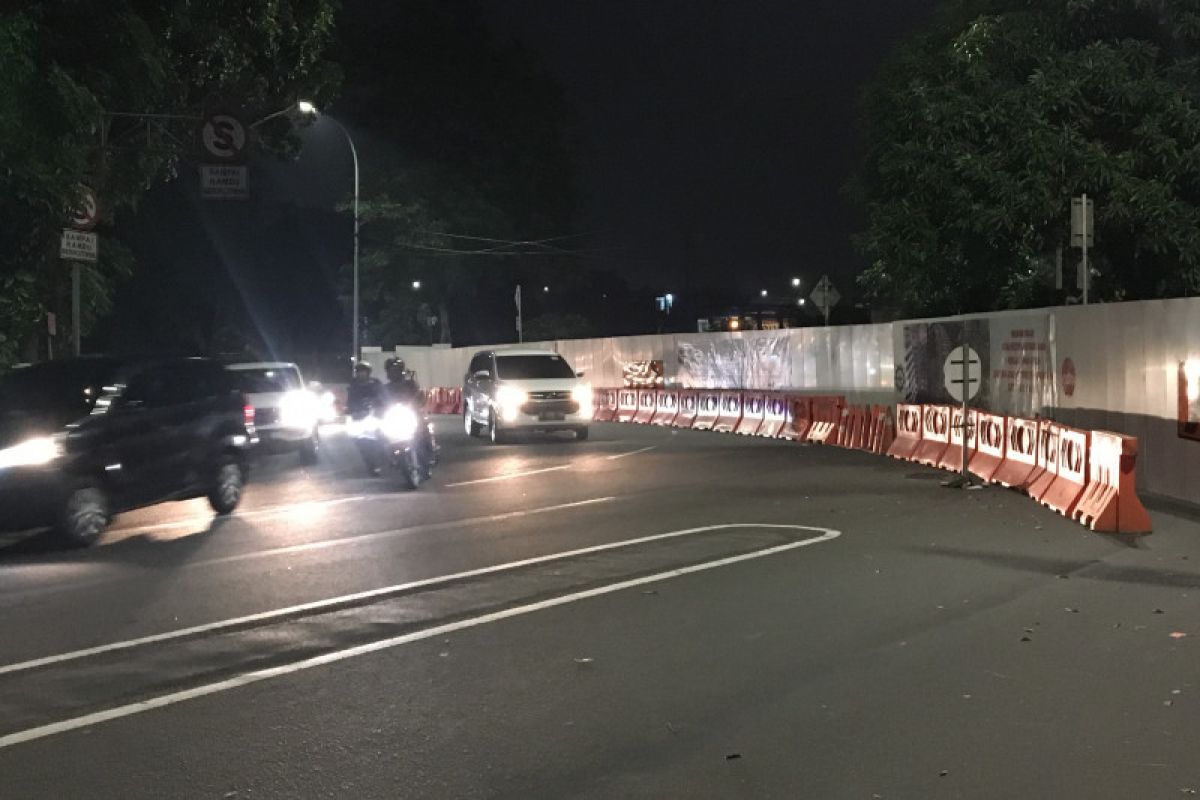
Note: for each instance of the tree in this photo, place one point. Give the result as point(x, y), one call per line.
point(981, 130)
point(66, 65)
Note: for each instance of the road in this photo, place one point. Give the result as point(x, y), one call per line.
point(651, 613)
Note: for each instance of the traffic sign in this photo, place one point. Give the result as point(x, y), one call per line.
point(824, 295)
point(224, 180)
point(957, 373)
point(1083, 224)
point(85, 217)
point(223, 136)
point(79, 246)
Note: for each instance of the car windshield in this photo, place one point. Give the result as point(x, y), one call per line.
point(267, 379)
point(52, 393)
point(510, 368)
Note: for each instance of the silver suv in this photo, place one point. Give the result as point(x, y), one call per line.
point(508, 391)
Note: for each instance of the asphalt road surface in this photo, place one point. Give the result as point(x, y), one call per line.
point(650, 613)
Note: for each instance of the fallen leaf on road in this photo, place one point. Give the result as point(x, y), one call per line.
point(1158, 611)
point(1177, 634)
point(733, 756)
point(1070, 610)
point(943, 773)
point(583, 661)
point(1026, 639)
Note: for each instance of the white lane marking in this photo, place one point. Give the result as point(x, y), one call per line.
point(87, 720)
point(631, 453)
point(508, 476)
point(307, 505)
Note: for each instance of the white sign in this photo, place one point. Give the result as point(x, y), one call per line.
point(1080, 223)
point(223, 136)
point(224, 180)
point(824, 294)
point(79, 246)
point(85, 217)
point(953, 373)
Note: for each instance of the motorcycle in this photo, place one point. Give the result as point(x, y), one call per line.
point(394, 434)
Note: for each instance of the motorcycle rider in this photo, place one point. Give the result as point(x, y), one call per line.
point(402, 387)
point(366, 396)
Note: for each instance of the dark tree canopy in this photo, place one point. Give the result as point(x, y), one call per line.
point(980, 131)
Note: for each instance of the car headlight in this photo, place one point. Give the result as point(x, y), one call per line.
point(582, 394)
point(400, 424)
point(299, 409)
point(31, 452)
point(510, 399)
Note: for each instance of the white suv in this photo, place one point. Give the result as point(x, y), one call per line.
point(507, 391)
point(287, 414)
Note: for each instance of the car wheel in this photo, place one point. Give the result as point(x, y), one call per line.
point(470, 426)
point(310, 450)
point(84, 517)
point(581, 434)
point(497, 436)
point(228, 483)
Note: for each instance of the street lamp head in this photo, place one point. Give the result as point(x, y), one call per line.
point(796, 283)
point(670, 298)
point(800, 302)
point(306, 108)
point(546, 289)
point(763, 293)
point(416, 285)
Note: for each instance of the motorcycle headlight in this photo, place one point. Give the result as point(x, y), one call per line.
point(298, 409)
point(31, 452)
point(399, 424)
point(582, 394)
point(510, 399)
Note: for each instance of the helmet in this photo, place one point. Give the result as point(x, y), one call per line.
point(361, 368)
point(394, 368)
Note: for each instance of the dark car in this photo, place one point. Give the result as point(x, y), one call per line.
point(83, 439)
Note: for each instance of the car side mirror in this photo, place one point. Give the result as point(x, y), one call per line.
point(482, 375)
point(578, 374)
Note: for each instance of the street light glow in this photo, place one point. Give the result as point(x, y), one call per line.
point(546, 289)
point(796, 283)
point(763, 293)
point(305, 107)
point(416, 285)
point(800, 302)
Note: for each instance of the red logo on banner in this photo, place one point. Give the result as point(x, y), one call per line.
point(1068, 377)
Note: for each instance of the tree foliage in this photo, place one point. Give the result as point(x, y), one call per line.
point(66, 65)
point(980, 131)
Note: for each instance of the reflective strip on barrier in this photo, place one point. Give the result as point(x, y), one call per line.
point(666, 406)
point(606, 405)
point(799, 418)
point(708, 410)
point(826, 419)
point(627, 405)
point(1071, 477)
point(1110, 502)
point(991, 431)
point(754, 411)
point(884, 432)
point(775, 417)
point(935, 435)
point(1020, 453)
point(689, 406)
point(1047, 456)
point(908, 432)
point(731, 412)
point(647, 401)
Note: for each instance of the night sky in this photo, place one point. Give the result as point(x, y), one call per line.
point(717, 135)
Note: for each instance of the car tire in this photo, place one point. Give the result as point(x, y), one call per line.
point(494, 433)
point(581, 434)
point(84, 517)
point(310, 449)
point(229, 479)
point(470, 426)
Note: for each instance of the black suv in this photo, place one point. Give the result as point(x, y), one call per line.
point(83, 439)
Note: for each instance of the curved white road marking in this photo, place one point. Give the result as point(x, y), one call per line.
point(631, 453)
point(508, 476)
point(87, 720)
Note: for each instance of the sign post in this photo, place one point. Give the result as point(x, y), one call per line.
point(224, 139)
point(520, 331)
point(80, 243)
point(1083, 235)
point(963, 375)
point(825, 296)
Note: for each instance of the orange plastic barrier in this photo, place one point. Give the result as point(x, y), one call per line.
point(935, 435)
point(689, 406)
point(708, 410)
point(852, 431)
point(1110, 502)
point(826, 419)
point(799, 418)
point(647, 401)
point(605, 405)
point(731, 412)
point(1071, 477)
point(1047, 455)
point(775, 416)
point(456, 400)
point(754, 411)
point(908, 432)
point(991, 433)
point(952, 458)
point(666, 406)
point(883, 430)
point(1020, 453)
point(627, 405)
